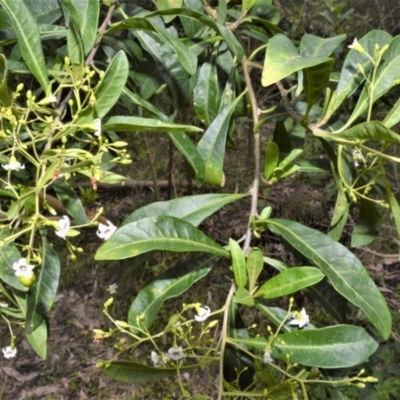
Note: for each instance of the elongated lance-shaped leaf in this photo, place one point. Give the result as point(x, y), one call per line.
point(343, 269)
point(5, 98)
point(238, 264)
point(71, 201)
point(393, 116)
point(289, 281)
point(192, 209)
point(394, 205)
point(157, 233)
point(340, 346)
point(28, 39)
point(43, 293)
point(255, 264)
point(172, 283)
point(133, 124)
point(351, 76)
point(38, 340)
point(45, 12)
point(110, 88)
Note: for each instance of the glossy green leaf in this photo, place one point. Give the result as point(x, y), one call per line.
point(351, 77)
point(393, 116)
point(289, 281)
point(131, 372)
point(282, 138)
point(70, 201)
point(192, 209)
point(132, 124)
point(28, 39)
point(394, 205)
point(283, 59)
point(190, 25)
point(5, 98)
point(238, 263)
point(314, 46)
point(271, 159)
point(343, 269)
point(243, 296)
point(255, 264)
point(340, 215)
point(111, 86)
point(340, 346)
point(45, 12)
point(42, 294)
point(38, 340)
point(206, 94)
point(166, 5)
point(172, 283)
point(9, 254)
point(157, 233)
point(368, 224)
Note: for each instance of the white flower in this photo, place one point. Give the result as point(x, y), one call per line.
point(357, 46)
point(13, 165)
point(175, 353)
point(97, 124)
point(21, 268)
point(267, 357)
point(63, 225)
point(105, 231)
point(155, 359)
point(3, 304)
point(112, 288)
point(9, 352)
point(48, 100)
point(202, 313)
point(300, 318)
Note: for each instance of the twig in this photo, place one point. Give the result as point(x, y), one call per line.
point(153, 170)
point(286, 104)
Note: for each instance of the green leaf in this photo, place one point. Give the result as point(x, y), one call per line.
point(206, 93)
point(271, 159)
point(351, 77)
point(340, 346)
point(343, 269)
point(394, 205)
point(289, 281)
point(45, 12)
point(38, 339)
point(283, 59)
point(111, 86)
point(238, 264)
point(132, 124)
point(132, 372)
point(166, 5)
point(157, 233)
point(368, 224)
point(5, 98)
point(314, 46)
point(243, 296)
point(255, 264)
point(192, 209)
point(190, 25)
point(71, 201)
point(9, 254)
point(28, 39)
point(42, 294)
point(172, 283)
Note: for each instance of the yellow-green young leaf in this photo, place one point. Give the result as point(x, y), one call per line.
point(271, 159)
point(255, 264)
point(289, 281)
point(243, 296)
point(248, 4)
point(340, 346)
point(343, 269)
point(238, 264)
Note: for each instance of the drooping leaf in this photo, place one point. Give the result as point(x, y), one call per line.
point(38, 340)
point(42, 294)
point(289, 281)
point(255, 264)
point(172, 283)
point(343, 269)
point(132, 124)
point(29, 42)
point(340, 346)
point(192, 209)
point(70, 201)
point(157, 233)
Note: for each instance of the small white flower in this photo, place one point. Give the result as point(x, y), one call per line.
point(48, 100)
point(13, 165)
point(63, 225)
point(155, 359)
point(175, 353)
point(357, 46)
point(202, 313)
point(112, 288)
point(97, 124)
point(3, 304)
point(267, 357)
point(105, 231)
point(21, 268)
point(9, 352)
point(300, 318)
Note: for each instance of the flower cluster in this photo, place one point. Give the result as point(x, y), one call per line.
point(174, 354)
